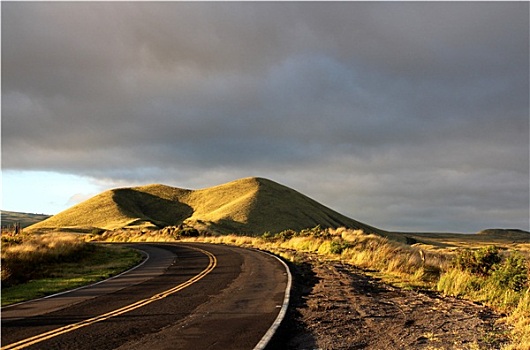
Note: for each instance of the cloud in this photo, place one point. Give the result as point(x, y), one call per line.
point(384, 104)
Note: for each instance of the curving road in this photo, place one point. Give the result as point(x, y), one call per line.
point(185, 296)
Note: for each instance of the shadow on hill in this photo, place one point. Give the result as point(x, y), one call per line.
point(150, 208)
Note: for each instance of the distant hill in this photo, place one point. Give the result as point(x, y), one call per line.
point(505, 233)
point(10, 218)
point(246, 206)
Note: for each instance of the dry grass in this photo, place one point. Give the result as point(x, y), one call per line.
point(24, 255)
point(520, 320)
point(34, 266)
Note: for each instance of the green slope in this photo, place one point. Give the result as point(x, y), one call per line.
point(9, 218)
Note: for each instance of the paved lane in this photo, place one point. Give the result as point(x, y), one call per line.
point(156, 262)
point(230, 306)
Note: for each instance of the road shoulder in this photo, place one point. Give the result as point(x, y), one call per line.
point(338, 307)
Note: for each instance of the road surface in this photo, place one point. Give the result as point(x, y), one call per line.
point(186, 296)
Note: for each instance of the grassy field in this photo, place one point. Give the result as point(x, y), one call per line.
point(34, 266)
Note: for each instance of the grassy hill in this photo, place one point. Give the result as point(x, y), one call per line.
point(246, 206)
point(9, 218)
point(505, 233)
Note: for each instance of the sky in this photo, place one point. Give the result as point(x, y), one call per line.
point(408, 116)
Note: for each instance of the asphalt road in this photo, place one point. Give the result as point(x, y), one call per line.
point(186, 296)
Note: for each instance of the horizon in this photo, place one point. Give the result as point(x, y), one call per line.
point(256, 177)
point(405, 116)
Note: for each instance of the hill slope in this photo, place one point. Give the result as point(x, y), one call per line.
point(249, 205)
point(9, 218)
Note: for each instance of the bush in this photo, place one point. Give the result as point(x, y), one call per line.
point(97, 231)
point(479, 262)
point(316, 231)
point(512, 273)
point(11, 240)
point(287, 234)
point(337, 247)
point(189, 232)
point(268, 236)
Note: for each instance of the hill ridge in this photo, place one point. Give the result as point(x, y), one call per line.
point(251, 205)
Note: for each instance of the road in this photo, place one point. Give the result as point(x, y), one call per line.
point(186, 296)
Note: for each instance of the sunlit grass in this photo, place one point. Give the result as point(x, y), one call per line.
point(520, 320)
point(40, 265)
point(25, 256)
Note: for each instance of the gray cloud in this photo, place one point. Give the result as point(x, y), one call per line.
point(404, 115)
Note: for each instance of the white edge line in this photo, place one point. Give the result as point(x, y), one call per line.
point(283, 311)
point(88, 285)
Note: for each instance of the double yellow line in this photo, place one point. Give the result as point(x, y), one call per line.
point(71, 327)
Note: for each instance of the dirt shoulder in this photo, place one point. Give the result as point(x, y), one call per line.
point(335, 306)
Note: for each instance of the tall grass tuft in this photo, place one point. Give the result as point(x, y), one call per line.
point(486, 276)
point(520, 319)
point(22, 259)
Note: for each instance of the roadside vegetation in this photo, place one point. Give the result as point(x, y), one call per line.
point(35, 265)
point(495, 275)
point(500, 280)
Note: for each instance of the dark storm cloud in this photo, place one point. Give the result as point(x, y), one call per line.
point(392, 103)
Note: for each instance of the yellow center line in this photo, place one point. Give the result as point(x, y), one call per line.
point(68, 328)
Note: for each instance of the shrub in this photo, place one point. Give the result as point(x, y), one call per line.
point(268, 236)
point(97, 231)
point(11, 240)
point(337, 247)
point(512, 273)
point(287, 234)
point(316, 231)
point(189, 232)
point(479, 262)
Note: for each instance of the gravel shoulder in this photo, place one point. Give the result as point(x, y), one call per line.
point(336, 306)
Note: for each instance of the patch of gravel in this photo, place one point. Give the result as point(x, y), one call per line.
point(335, 306)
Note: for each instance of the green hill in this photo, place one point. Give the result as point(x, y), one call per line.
point(10, 218)
point(246, 206)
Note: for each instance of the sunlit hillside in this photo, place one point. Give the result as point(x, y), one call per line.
point(249, 205)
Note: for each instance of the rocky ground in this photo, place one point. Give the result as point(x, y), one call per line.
point(335, 306)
